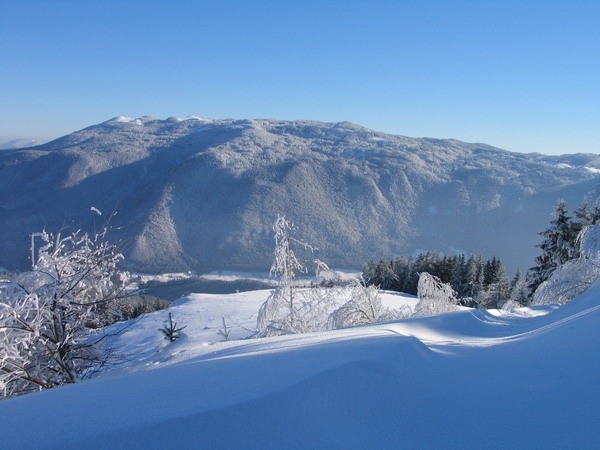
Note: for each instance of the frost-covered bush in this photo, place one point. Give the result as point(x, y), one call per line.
point(309, 311)
point(574, 276)
point(364, 306)
point(511, 305)
point(45, 314)
point(434, 296)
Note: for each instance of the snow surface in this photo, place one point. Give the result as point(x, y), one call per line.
point(469, 379)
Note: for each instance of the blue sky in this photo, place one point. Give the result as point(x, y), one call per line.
point(520, 75)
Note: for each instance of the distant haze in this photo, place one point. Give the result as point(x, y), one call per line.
point(20, 143)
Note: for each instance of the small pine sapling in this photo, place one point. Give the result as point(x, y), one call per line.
point(170, 330)
point(225, 331)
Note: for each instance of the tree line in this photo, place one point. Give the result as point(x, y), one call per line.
point(475, 281)
point(485, 283)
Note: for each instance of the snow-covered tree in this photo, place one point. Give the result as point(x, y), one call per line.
point(45, 314)
point(434, 296)
point(291, 308)
point(519, 292)
point(584, 216)
point(558, 246)
point(576, 275)
point(459, 278)
point(386, 274)
point(498, 290)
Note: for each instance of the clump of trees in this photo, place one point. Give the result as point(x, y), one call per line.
point(485, 284)
point(570, 258)
point(475, 282)
point(561, 241)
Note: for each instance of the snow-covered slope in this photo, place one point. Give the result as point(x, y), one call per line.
point(202, 194)
point(470, 379)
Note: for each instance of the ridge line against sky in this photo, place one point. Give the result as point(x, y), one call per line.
point(522, 76)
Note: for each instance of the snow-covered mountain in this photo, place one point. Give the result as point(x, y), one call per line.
point(202, 194)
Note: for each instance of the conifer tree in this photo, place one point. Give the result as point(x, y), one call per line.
point(557, 248)
point(519, 292)
point(499, 290)
point(459, 276)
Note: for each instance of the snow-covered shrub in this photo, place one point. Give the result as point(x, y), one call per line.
point(574, 276)
point(364, 306)
point(434, 296)
point(271, 319)
point(319, 308)
point(308, 312)
point(316, 303)
point(45, 314)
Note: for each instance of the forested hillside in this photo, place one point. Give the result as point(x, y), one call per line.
point(202, 194)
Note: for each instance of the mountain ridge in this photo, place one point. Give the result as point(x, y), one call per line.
point(201, 194)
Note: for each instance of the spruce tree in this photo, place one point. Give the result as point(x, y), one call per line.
point(557, 247)
point(519, 292)
point(500, 288)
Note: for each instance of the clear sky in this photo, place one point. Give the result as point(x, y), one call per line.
point(519, 75)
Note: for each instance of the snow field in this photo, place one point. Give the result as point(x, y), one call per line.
point(468, 379)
